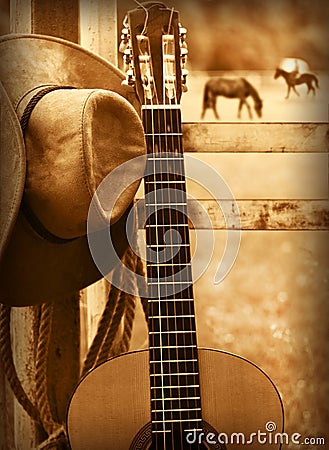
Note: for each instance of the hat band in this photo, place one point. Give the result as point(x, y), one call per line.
point(27, 211)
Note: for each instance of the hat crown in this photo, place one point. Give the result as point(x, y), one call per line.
point(73, 139)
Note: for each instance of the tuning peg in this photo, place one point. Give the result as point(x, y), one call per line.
point(182, 32)
point(125, 34)
point(123, 46)
point(127, 55)
point(184, 76)
point(183, 53)
point(125, 37)
point(130, 78)
point(127, 60)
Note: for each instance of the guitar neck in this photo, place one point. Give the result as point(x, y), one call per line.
point(167, 235)
point(155, 54)
point(174, 371)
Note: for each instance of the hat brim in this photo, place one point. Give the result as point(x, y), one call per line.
point(12, 168)
point(34, 60)
point(36, 270)
point(32, 269)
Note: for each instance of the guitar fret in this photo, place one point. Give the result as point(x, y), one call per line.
point(160, 107)
point(166, 204)
point(176, 387)
point(162, 225)
point(163, 181)
point(177, 420)
point(157, 283)
point(193, 429)
point(174, 410)
point(169, 264)
point(164, 158)
point(161, 299)
point(185, 429)
point(172, 346)
point(173, 332)
point(173, 374)
point(172, 361)
point(168, 245)
point(161, 431)
point(171, 317)
point(174, 398)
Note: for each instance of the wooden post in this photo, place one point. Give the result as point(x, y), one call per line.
point(58, 18)
point(98, 28)
point(23, 346)
point(21, 16)
point(98, 33)
point(6, 413)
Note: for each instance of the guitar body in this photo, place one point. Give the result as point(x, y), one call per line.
point(110, 409)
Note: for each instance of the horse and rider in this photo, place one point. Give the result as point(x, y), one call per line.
point(294, 78)
point(241, 89)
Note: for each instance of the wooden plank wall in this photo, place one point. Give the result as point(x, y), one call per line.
point(45, 17)
point(307, 139)
point(93, 24)
point(276, 138)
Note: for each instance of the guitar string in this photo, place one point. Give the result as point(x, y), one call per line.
point(176, 147)
point(167, 270)
point(178, 199)
point(179, 294)
point(183, 264)
point(170, 248)
point(157, 149)
point(152, 118)
point(158, 326)
point(174, 127)
point(178, 177)
point(191, 366)
point(163, 290)
point(168, 127)
point(189, 339)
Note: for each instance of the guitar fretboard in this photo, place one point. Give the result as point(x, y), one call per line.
point(174, 372)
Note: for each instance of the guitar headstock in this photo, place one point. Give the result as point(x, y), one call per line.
point(155, 52)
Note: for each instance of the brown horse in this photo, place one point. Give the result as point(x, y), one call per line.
point(231, 88)
point(293, 78)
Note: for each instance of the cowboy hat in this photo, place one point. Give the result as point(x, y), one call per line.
point(67, 120)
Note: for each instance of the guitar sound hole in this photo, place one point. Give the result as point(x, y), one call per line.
point(143, 441)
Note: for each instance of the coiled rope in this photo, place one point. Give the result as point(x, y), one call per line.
point(120, 307)
point(7, 362)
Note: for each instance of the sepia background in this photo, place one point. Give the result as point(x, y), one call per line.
point(273, 306)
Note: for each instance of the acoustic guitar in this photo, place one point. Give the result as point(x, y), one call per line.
point(174, 395)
